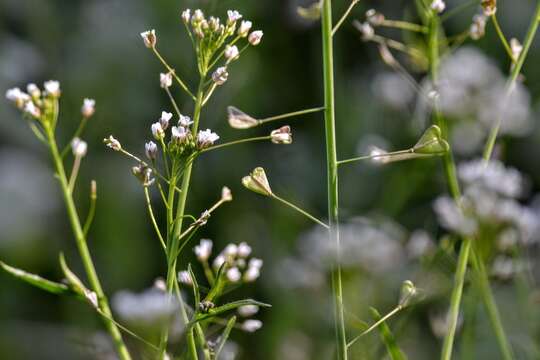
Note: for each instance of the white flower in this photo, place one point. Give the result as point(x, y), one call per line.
point(31, 109)
point(478, 27)
point(33, 90)
point(231, 53)
point(374, 17)
point(88, 107)
point(149, 38)
point(184, 121)
point(52, 87)
point(516, 47)
point(219, 261)
point(233, 274)
point(493, 176)
point(282, 135)
point(366, 30)
point(151, 149)
point(17, 96)
point(186, 15)
point(112, 143)
point(157, 131)
point(255, 263)
point(226, 194)
point(248, 310)
point(198, 16)
point(438, 6)
point(149, 307)
point(244, 250)
point(185, 278)
point(251, 325)
point(164, 119)
point(160, 284)
point(244, 28)
point(452, 218)
point(165, 80)
point(206, 138)
point(489, 7)
point(252, 274)
point(255, 37)
point(179, 134)
point(79, 147)
point(233, 16)
point(220, 75)
point(203, 250)
point(231, 250)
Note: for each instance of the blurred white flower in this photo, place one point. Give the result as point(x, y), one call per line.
point(220, 76)
point(112, 143)
point(244, 28)
point(255, 37)
point(150, 306)
point(251, 325)
point(248, 310)
point(149, 38)
point(438, 6)
point(420, 243)
point(165, 80)
point(393, 90)
point(157, 131)
point(164, 119)
point(186, 16)
point(452, 218)
point(52, 88)
point(233, 274)
point(203, 250)
point(231, 53)
point(88, 107)
point(185, 278)
point(151, 150)
point(79, 147)
point(206, 138)
point(233, 16)
point(184, 121)
point(31, 109)
point(244, 250)
point(493, 175)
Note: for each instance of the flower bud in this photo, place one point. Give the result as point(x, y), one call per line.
point(408, 292)
point(165, 80)
point(489, 7)
point(164, 119)
point(197, 17)
point(438, 6)
point(516, 48)
point(186, 16)
point(149, 38)
point(255, 37)
point(478, 27)
point(231, 53)
point(151, 150)
point(18, 97)
point(252, 274)
point(184, 121)
point(233, 16)
point(226, 194)
point(203, 250)
point(244, 250)
point(33, 91)
point(157, 131)
point(31, 109)
point(179, 134)
point(78, 147)
point(233, 274)
point(52, 88)
point(220, 75)
point(282, 135)
point(244, 28)
point(240, 120)
point(366, 30)
point(431, 142)
point(251, 325)
point(112, 143)
point(231, 250)
point(160, 284)
point(257, 182)
point(374, 17)
point(144, 174)
point(248, 310)
point(88, 108)
point(185, 278)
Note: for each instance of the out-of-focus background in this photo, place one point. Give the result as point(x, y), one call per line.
point(390, 230)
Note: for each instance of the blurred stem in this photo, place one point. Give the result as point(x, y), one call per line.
point(74, 172)
point(502, 37)
point(92, 209)
point(459, 8)
point(332, 175)
point(84, 252)
point(490, 144)
point(405, 25)
point(259, 138)
point(152, 217)
point(291, 114)
point(491, 306)
point(377, 323)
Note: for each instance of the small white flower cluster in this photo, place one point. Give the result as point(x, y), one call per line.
point(490, 200)
point(181, 137)
point(149, 307)
point(239, 267)
point(478, 26)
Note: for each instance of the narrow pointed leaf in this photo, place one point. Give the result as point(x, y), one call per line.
point(37, 281)
point(196, 293)
point(228, 307)
point(388, 338)
point(73, 280)
point(225, 335)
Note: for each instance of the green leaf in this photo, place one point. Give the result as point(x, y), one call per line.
point(225, 335)
point(431, 142)
point(388, 338)
point(196, 293)
point(37, 281)
point(218, 286)
point(228, 307)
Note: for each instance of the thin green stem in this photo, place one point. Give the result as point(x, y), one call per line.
point(405, 25)
point(490, 144)
point(92, 209)
point(290, 114)
point(300, 210)
point(74, 173)
point(173, 102)
point(241, 141)
point(377, 323)
point(491, 306)
point(332, 175)
point(152, 217)
point(502, 37)
point(84, 252)
point(344, 17)
point(173, 72)
point(456, 10)
point(375, 156)
point(78, 132)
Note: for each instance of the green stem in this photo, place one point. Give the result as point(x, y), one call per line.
point(332, 175)
point(291, 114)
point(490, 144)
point(153, 218)
point(405, 25)
point(259, 138)
point(377, 323)
point(342, 19)
point(84, 251)
point(502, 37)
point(78, 132)
point(491, 306)
point(92, 209)
point(300, 210)
point(173, 72)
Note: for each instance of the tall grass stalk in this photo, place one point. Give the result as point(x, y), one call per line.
point(332, 175)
